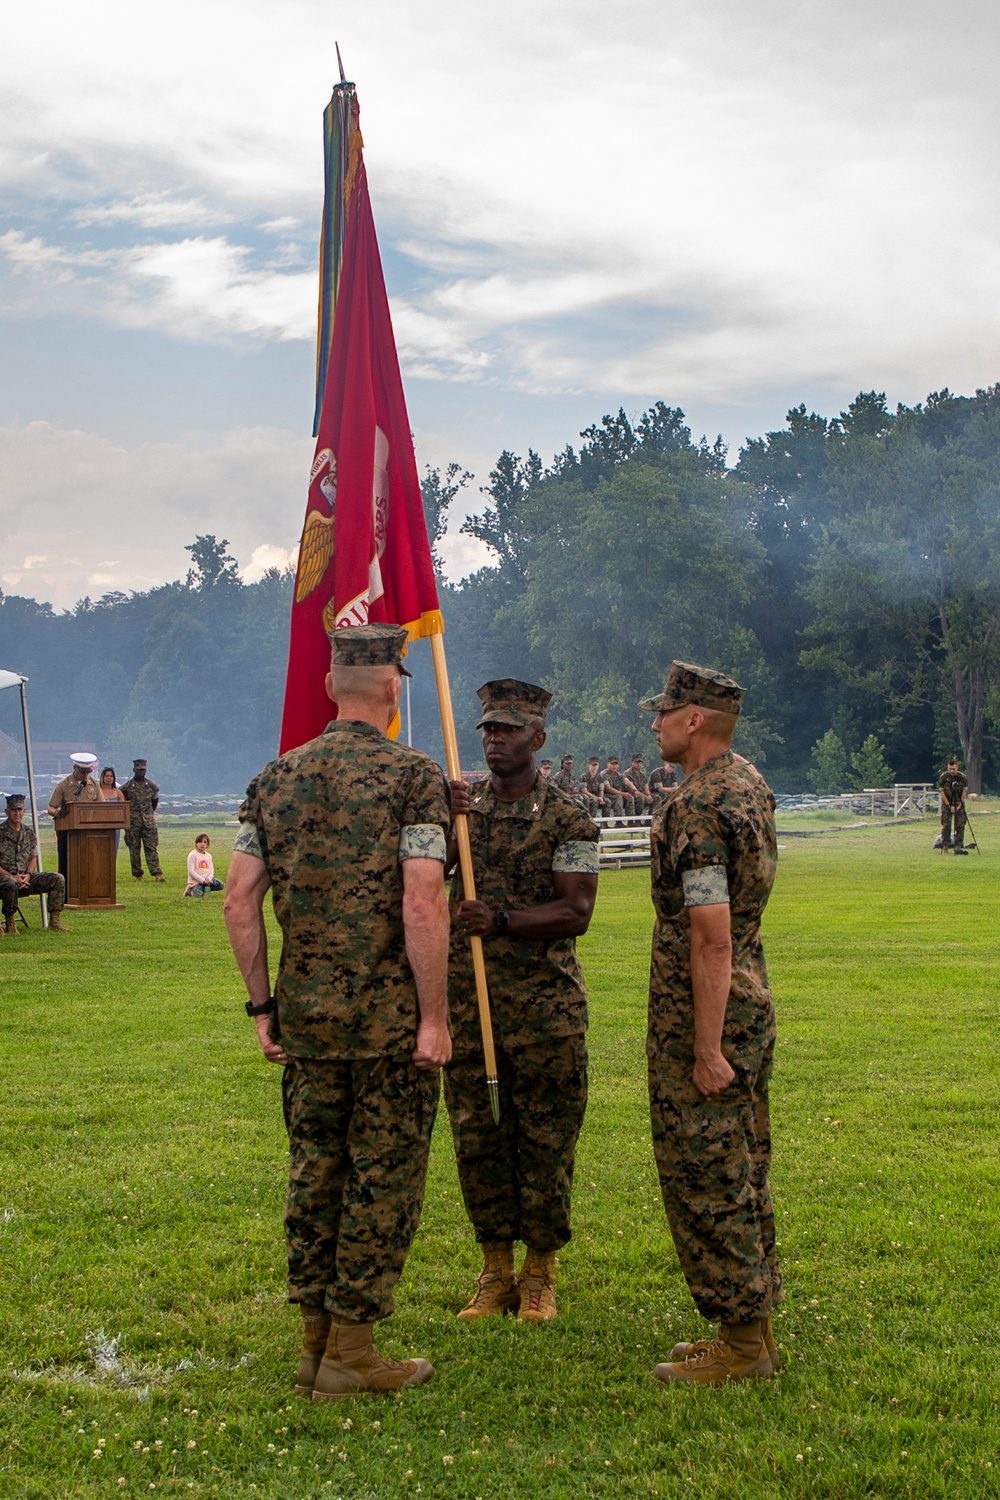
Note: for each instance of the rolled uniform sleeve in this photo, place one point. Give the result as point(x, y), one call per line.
point(699, 852)
point(576, 857)
point(423, 841)
point(706, 887)
point(426, 817)
point(249, 840)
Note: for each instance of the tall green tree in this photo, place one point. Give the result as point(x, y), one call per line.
point(905, 584)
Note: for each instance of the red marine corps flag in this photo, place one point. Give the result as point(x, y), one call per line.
point(364, 553)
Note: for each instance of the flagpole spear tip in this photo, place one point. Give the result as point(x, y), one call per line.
point(340, 64)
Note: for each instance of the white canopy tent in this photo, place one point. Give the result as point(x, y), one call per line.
point(9, 680)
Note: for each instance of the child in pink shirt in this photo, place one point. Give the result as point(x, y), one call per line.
point(200, 869)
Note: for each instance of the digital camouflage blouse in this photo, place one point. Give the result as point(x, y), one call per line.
point(713, 842)
point(334, 821)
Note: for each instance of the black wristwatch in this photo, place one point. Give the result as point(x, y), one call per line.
point(261, 1010)
point(501, 921)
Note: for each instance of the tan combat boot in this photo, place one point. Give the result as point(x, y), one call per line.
point(680, 1352)
point(10, 926)
point(352, 1366)
point(315, 1332)
point(496, 1288)
point(738, 1353)
point(537, 1286)
point(55, 925)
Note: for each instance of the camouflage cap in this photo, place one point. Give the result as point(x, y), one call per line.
point(565, 758)
point(544, 763)
point(15, 799)
point(368, 646)
point(138, 763)
point(637, 755)
point(702, 687)
point(507, 701)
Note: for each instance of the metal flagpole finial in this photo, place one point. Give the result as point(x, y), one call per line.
point(340, 65)
point(493, 1087)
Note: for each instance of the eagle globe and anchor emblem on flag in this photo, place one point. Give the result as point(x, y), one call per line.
point(316, 547)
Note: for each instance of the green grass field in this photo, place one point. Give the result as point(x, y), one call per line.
point(142, 1312)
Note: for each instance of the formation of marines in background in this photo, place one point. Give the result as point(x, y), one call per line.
point(611, 792)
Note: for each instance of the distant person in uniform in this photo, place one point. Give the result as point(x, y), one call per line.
point(535, 863)
point(662, 781)
point(19, 872)
point(592, 788)
point(617, 798)
point(142, 834)
point(78, 786)
point(637, 785)
point(953, 785)
point(566, 781)
point(710, 1042)
point(545, 769)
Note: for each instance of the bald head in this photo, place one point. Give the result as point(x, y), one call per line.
point(370, 694)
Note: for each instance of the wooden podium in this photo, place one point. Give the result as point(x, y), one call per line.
point(90, 851)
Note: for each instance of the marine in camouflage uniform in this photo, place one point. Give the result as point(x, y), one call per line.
point(953, 785)
point(713, 862)
point(535, 863)
point(19, 858)
point(642, 801)
point(592, 788)
point(662, 781)
point(617, 799)
point(348, 832)
point(565, 780)
point(142, 834)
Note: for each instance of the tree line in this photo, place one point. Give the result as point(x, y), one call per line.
point(845, 569)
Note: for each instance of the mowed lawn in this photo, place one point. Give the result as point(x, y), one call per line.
point(145, 1344)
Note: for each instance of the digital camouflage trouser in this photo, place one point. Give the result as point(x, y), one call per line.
point(42, 883)
point(517, 1177)
point(359, 1134)
point(147, 839)
point(713, 1158)
point(960, 817)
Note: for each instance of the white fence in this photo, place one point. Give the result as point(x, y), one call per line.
point(906, 799)
point(624, 841)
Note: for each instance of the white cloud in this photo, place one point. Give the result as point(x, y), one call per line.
point(809, 190)
point(268, 556)
point(193, 288)
point(152, 211)
point(152, 498)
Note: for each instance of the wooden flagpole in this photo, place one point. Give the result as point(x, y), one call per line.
point(465, 864)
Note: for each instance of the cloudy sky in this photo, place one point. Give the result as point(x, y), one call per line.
point(728, 206)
